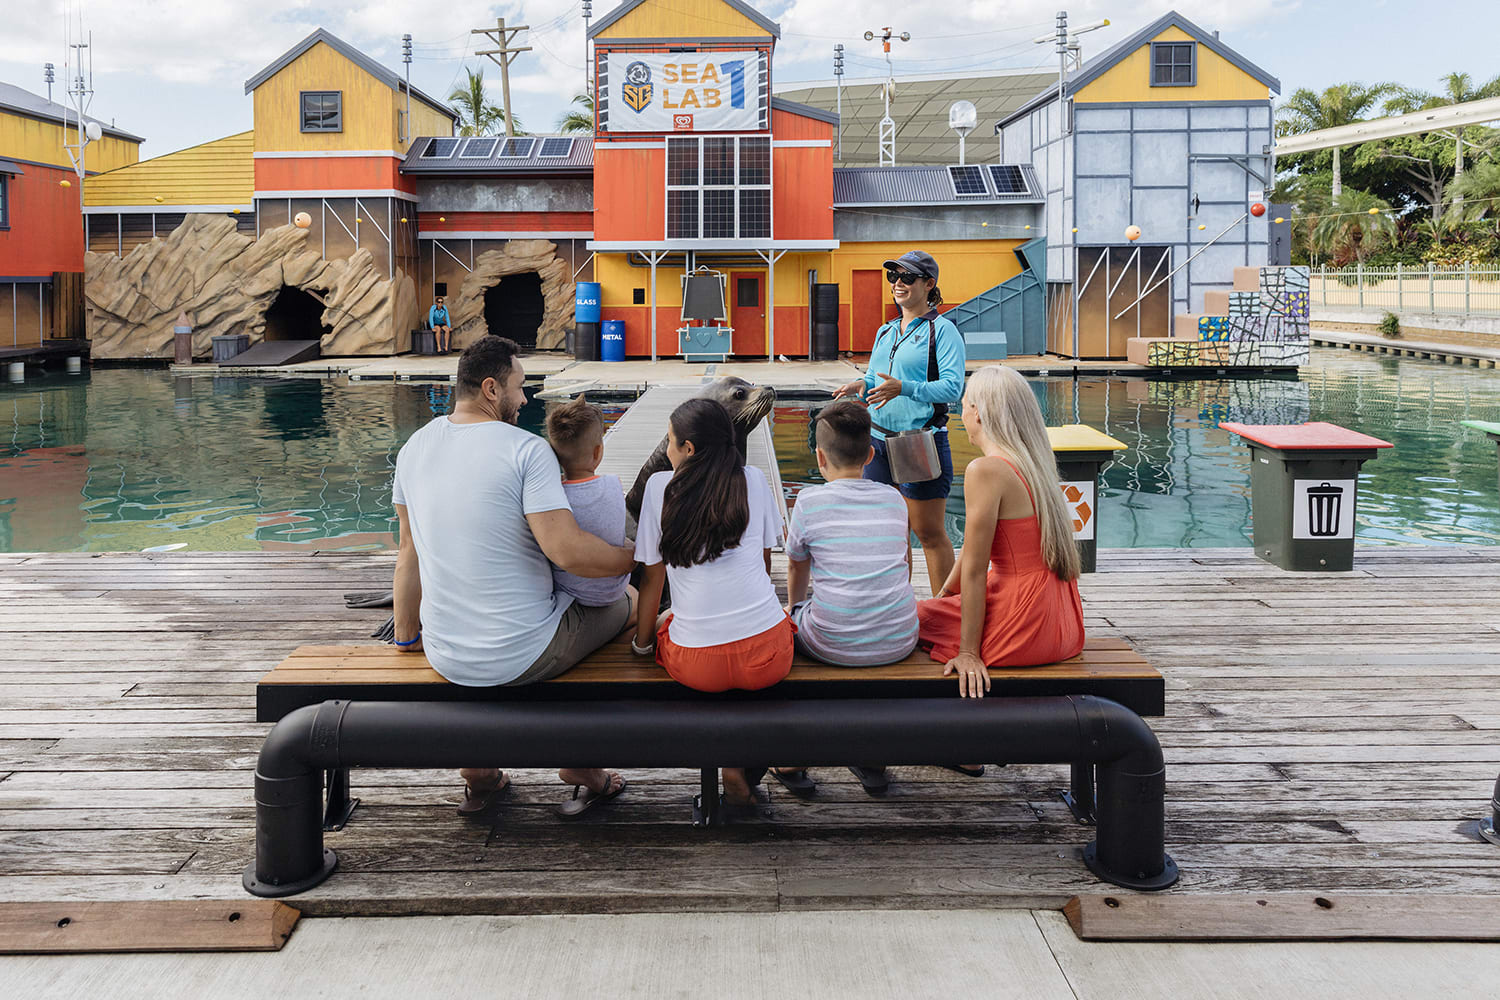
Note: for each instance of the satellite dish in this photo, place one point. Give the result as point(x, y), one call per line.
point(93, 131)
point(963, 117)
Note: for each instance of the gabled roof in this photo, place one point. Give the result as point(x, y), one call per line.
point(804, 110)
point(629, 5)
point(343, 48)
point(13, 98)
point(1115, 54)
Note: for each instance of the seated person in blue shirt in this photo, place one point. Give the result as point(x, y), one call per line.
point(440, 325)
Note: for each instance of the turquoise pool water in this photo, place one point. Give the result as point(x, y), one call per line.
point(130, 458)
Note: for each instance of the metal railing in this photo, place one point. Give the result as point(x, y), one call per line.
point(1430, 289)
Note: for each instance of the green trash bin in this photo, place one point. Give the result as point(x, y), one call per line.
point(1491, 429)
point(1082, 452)
point(1303, 491)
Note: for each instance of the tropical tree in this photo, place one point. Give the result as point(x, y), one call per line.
point(1357, 221)
point(1476, 195)
point(477, 114)
point(1458, 88)
point(1342, 104)
point(580, 120)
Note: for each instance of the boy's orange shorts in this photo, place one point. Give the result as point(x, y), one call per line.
point(745, 665)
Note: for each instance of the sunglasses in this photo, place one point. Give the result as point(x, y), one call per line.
point(905, 277)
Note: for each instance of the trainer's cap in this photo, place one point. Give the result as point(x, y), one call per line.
point(917, 262)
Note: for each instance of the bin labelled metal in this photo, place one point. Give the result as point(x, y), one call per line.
point(1303, 491)
point(1082, 453)
point(1488, 428)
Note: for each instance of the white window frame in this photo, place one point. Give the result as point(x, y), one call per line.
point(736, 187)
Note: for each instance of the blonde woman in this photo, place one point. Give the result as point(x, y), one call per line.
point(1012, 599)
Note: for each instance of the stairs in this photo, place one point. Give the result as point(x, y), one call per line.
point(1010, 318)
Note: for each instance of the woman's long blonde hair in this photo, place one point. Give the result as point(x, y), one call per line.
point(1011, 421)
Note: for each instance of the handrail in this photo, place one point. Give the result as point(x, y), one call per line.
point(1179, 267)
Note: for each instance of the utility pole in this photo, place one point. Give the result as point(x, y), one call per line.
point(502, 36)
point(1062, 72)
point(838, 83)
point(406, 117)
point(887, 124)
point(588, 69)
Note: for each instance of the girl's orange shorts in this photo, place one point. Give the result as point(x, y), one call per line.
point(745, 665)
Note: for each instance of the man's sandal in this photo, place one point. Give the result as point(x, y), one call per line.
point(796, 781)
point(580, 804)
point(482, 802)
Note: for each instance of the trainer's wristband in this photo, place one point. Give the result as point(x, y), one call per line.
point(409, 642)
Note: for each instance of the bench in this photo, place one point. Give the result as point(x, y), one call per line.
point(343, 707)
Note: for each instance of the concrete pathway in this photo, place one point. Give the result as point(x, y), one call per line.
point(994, 954)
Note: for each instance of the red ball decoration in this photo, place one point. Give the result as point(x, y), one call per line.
point(1257, 210)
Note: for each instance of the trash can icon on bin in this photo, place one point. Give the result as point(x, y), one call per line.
point(1324, 505)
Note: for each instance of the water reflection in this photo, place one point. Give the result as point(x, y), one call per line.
point(131, 459)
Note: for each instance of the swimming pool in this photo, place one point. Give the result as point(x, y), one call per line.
point(131, 458)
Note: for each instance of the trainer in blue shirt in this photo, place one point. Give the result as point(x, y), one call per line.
point(902, 397)
point(439, 323)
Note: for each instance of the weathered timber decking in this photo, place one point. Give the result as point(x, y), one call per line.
point(1333, 732)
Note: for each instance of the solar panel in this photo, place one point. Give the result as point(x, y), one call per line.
point(968, 180)
point(1007, 178)
point(556, 147)
point(477, 148)
point(440, 149)
point(517, 147)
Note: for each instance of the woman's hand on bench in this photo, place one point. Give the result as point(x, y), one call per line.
point(973, 676)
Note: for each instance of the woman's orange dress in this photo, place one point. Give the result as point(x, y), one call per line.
point(1030, 616)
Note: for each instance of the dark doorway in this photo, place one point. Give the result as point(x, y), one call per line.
point(514, 308)
point(295, 315)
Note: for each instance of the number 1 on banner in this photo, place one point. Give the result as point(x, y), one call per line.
point(736, 71)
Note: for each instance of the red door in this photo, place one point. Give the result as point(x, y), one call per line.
point(866, 308)
point(747, 313)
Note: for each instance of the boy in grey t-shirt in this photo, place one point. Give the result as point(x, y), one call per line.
point(576, 432)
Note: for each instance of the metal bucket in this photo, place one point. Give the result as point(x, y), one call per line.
point(913, 456)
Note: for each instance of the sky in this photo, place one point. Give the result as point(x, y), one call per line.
point(174, 70)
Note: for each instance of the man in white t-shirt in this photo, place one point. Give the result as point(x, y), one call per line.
point(483, 520)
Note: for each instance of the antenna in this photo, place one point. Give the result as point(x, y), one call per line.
point(838, 83)
point(588, 77)
point(80, 97)
point(406, 115)
point(962, 118)
point(887, 125)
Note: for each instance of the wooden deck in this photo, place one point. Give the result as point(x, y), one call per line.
point(1333, 733)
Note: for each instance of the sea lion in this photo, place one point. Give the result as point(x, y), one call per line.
point(748, 405)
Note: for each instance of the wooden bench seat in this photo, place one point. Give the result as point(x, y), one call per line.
point(1107, 668)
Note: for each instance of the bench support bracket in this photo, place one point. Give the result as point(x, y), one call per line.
point(1080, 797)
point(706, 802)
point(339, 806)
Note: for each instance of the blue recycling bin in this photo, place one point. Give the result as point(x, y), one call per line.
point(586, 302)
point(612, 340)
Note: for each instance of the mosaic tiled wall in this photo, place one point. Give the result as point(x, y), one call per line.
point(1264, 327)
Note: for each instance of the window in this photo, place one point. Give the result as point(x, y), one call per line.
point(747, 293)
point(1174, 64)
point(718, 187)
point(4, 201)
point(322, 111)
point(638, 296)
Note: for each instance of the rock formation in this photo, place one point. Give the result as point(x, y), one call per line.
point(516, 257)
point(225, 281)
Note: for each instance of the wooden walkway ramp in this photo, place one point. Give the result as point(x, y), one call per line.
point(1330, 734)
point(640, 429)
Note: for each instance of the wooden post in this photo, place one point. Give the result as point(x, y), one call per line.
point(501, 36)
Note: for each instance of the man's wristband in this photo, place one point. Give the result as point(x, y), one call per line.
point(409, 642)
point(640, 650)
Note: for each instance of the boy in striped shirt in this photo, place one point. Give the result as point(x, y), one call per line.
point(849, 537)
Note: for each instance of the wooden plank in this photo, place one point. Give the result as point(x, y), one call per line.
point(1283, 917)
point(77, 927)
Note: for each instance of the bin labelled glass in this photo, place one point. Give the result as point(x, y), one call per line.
point(1304, 482)
point(1082, 453)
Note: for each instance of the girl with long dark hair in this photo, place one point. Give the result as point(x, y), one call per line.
point(708, 526)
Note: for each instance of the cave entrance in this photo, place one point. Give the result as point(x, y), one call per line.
point(295, 315)
point(515, 307)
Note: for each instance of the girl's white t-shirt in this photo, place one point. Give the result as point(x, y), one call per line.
point(730, 598)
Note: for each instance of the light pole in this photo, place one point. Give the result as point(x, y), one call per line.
point(838, 83)
point(406, 116)
point(887, 124)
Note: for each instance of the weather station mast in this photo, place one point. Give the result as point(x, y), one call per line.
point(887, 124)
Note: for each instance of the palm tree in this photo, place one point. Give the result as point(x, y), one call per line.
point(1341, 104)
point(578, 121)
point(477, 114)
point(1458, 88)
point(1476, 195)
point(1357, 220)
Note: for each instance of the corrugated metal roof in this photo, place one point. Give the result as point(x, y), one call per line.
point(924, 185)
point(13, 98)
point(580, 158)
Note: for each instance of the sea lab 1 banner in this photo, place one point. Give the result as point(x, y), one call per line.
point(683, 91)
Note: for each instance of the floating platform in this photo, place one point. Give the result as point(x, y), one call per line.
point(274, 354)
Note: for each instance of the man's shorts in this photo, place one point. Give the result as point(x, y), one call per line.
point(879, 470)
point(580, 631)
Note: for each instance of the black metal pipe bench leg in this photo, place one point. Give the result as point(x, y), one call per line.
point(1079, 796)
point(706, 802)
point(339, 805)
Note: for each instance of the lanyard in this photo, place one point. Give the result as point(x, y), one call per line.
point(891, 361)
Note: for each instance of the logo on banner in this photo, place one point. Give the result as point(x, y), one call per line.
point(682, 123)
point(638, 88)
point(1080, 500)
